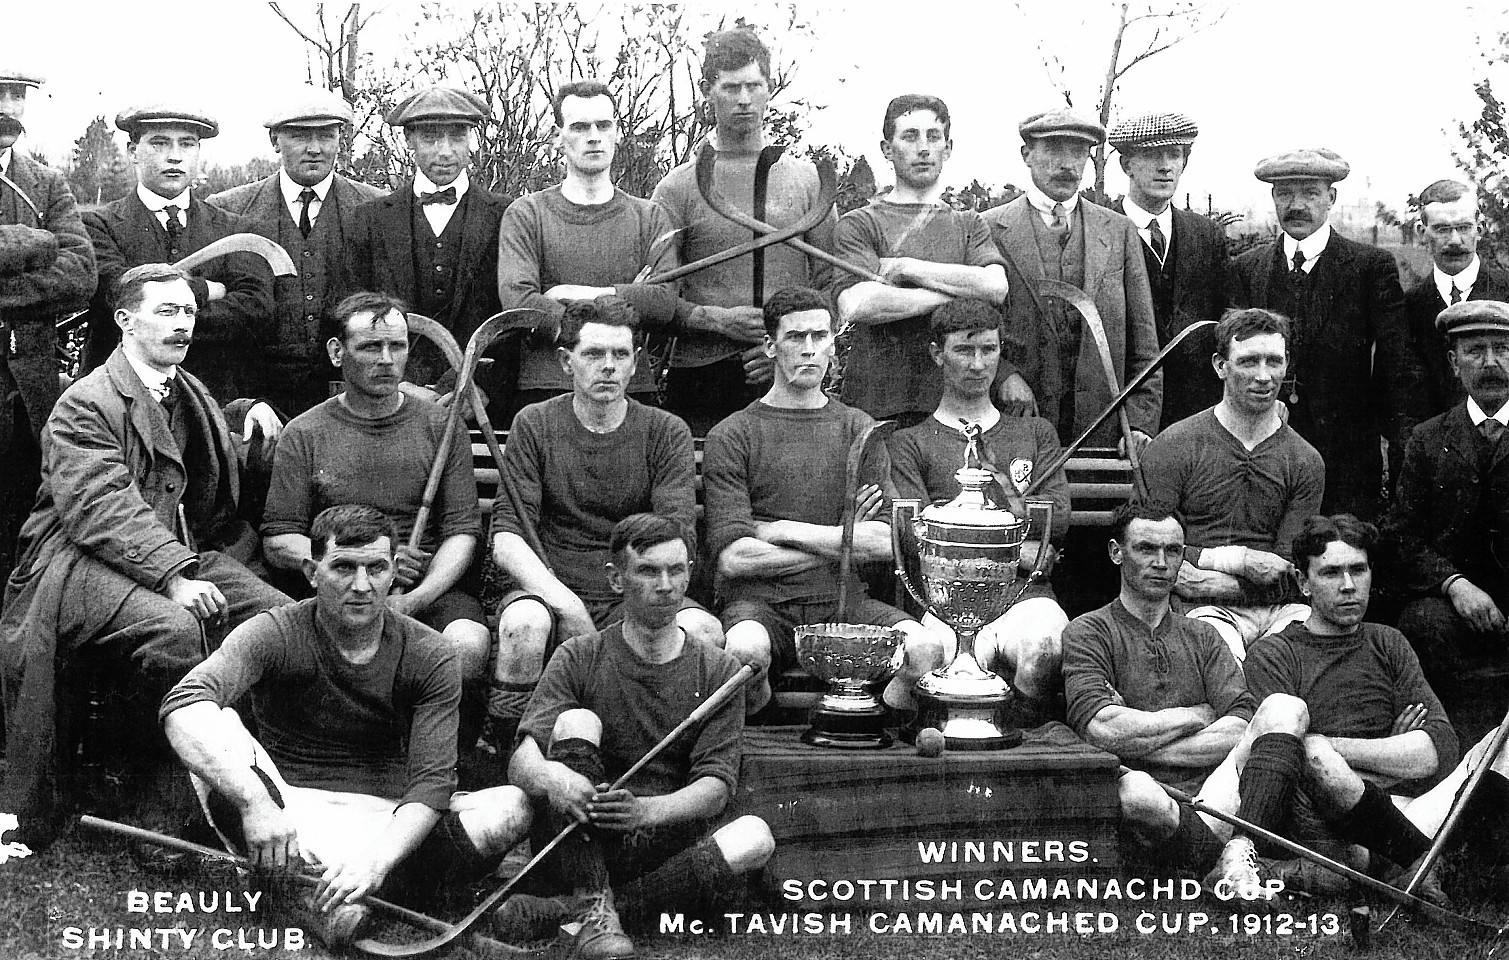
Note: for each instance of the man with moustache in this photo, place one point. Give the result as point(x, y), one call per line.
point(1450, 225)
point(720, 364)
point(163, 222)
point(1352, 379)
point(1186, 256)
point(929, 254)
point(133, 561)
point(46, 272)
point(1447, 532)
point(581, 239)
point(309, 210)
point(433, 242)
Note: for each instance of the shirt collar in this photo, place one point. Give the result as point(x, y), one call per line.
point(422, 185)
point(5, 160)
point(1312, 246)
point(1477, 416)
point(292, 190)
point(157, 204)
point(1043, 203)
point(1463, 281)
point(1142, 218)
point(155, 381)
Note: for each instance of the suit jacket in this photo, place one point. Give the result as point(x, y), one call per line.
point(1190, 287)
point(229, 332)
point(1348, 398)
point(32, 300)
point(1421, 305)
point(1436, 524)
point(1116, 281)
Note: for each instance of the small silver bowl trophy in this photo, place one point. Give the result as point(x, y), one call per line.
point(850, 657)
point(969, 551)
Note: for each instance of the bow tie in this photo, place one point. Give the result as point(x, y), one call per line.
point(446, 196)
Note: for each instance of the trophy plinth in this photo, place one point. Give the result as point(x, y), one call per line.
point(850, 657)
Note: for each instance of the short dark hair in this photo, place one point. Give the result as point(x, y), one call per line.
point(789, 300)
point(130, 287)
point(734, 49)
point(1319, 531)
point(905, 104)
point(965, 315)
point(1244, 323)
point(1123, 515)
point(641, 531)
point(1443, 191)
point(608, 309)
point(337, 321)
point(586, 89)
point(350, 525)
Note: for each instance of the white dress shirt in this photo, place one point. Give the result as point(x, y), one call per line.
point(1043, 204)
point(156, 381)
point(1463, 280)
point(292, 190)
point(1143, 220)
point(1477, 416)
point(158, 205)
point(1312, 247)
point(439, 214)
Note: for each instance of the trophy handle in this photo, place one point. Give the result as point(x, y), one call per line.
point(904, 544)
point(1040, 527)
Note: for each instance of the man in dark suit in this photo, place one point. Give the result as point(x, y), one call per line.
point(1447, 535)
point(433, 242)
point(1048, 233)
point(1352, 379)
point(310, 210)
point(162, 222)
point(1185, 254)
point(46, 271)
point(1449, 226)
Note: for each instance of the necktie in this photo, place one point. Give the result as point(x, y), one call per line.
point(1157, 240)
point(446, 196)
point(1299, 261)
point(1456, 293)
point(173, 225)
point(1060, 218)
point(306, 197)
point(168, 393)
point(1491, 430)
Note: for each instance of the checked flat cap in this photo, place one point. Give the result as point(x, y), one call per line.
point(1062, 122)
point(1318, 163)
point(1153, 130)
point(1474, 316)
point(132, 119)
point(439, 105)
point(25, 79)
point(311, 107)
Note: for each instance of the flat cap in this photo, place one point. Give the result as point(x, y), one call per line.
point(133, 118)
point(439, 105)
point(311, 107)
point(1153, 130)
point(1062, 122)
point(1319, 164)
point(10, 75)
point(1474, 316)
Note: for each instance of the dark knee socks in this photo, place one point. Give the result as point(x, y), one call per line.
point(1192, 846)
point(577, 863)
point(697, 879)
point(1268, 779)
point(1383, 828)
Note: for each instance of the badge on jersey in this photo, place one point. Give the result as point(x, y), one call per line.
point(1020, 473)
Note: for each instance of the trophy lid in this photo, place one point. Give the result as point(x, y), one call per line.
point(973, 506)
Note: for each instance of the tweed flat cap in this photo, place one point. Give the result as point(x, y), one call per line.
point(1153, 130)
point(439, 105)
point(25, 79)
point(1319, 163)
point(311, 107)
point(133, 118)
point(1474, 316)
point(1062, 122)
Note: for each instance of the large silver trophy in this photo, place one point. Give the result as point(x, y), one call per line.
point(852, 658)
point(970, 566)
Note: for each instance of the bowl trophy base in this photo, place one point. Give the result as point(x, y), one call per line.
point(849, 727)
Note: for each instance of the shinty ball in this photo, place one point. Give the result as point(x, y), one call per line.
point(930, 742)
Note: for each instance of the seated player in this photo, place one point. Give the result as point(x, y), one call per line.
point(375, 444)
point(966, 346)
point(774, 480)
point(354, 762)
point(580, 463)
point(664, 840)
point(1164, 693)
point(1244, 481)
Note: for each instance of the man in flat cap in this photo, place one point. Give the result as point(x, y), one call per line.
point(1047, 233)
point(1446, 539)
point(929, 254)
point(309, 210)
point(1352, 379)
point(1186, 256)
point(46, 271)
point(162, 222)
point(433, 242)
point(1450, 226)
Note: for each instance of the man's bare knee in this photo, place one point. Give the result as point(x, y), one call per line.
point(1281, 713)
point(578, 724)
point(746, 843)
point(1329, 780)
point(701, 626)
point(749, 642)
point(495, 819)
point(473, 644)
point(523, 637)
point(1144, 804)
point(923, 651)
